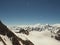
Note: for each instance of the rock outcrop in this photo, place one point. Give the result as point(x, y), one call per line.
point(14, 38)
point(24, 31)
point(58, 35)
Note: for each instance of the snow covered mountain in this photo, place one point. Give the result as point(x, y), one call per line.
point(9, 37)
point(36, 27)
point(30, 34)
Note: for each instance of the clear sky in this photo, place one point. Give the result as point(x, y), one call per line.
point(30, 11)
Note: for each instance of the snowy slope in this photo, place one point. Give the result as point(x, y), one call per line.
point(6, 40)
point(36, 27)
point(38, 34)
point(42, 38)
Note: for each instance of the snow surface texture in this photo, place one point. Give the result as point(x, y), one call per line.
point(38, 34)
point(42, 38)
point(6, 40)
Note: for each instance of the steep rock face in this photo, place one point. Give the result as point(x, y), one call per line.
point(58, 35)
point(3, 29)
point(14, 39)
point(24, 31)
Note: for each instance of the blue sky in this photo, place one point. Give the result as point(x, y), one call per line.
point(30, 11)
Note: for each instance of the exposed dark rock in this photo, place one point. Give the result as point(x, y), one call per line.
point(58, 38)
point(58, 31)
point(27, 42)
point(5, 31)
point(24, 31)
point(58, 35)
point(2, 28)
point(15, 40)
